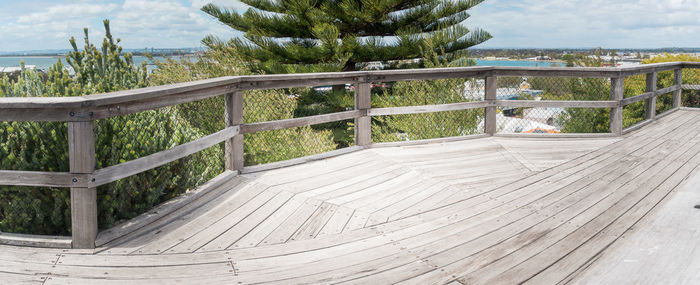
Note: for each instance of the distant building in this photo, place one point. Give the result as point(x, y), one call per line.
point(16, 68)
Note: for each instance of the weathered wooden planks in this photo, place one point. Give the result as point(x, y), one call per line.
point(129, 168)
point(42, 179)
point(233, 116)
point(363, 122)
point(83, 200)
point(490, 113)
point(389, 214)
point(428, 108)
point(617, 93)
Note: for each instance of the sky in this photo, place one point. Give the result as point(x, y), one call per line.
point(48, 24)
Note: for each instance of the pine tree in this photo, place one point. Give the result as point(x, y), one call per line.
point(284, 36)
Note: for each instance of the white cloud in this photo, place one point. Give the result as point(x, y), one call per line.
point(139, 23)
point(66, 12)
point(47, 28)
point(47, 24)
point(164, 23)
point(235, 5)
point(579, 23)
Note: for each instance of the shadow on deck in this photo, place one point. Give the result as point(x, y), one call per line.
point(483, 211)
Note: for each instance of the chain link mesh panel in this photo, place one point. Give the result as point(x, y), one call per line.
point(691, 84)
point(553, 120)
point(664, 102)
point(635, 85)
point(34, 146)
point(664, 79)
point(553, 88)
point(280, 104)
point(279, 145)
point(634, 113)
point(427, 92)
point(125, 138)
point(410, 127)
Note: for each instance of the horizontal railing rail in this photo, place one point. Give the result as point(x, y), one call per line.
point(81, 112)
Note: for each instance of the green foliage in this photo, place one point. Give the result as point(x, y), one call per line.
point(430, 92)
point(578, 120)
point(258, 106)
point(569, 59)
point(308, 36)
point(42, 146)
point(691, 98)
point(597, 120)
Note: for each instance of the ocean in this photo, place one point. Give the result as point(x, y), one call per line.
point(43, 62)
point(525, 63)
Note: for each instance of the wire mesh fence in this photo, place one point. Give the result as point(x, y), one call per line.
point(691, 86)
point(665, 79)
point(280, 104)
point(664, 103)
point(634, 113)
point(34, 146)
point(553, 88)
point(427, 92)
point(553, 120)
point(409, 127)
point(125, 138)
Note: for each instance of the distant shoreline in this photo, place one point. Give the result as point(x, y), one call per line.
point(532, 60)
point(32, 56)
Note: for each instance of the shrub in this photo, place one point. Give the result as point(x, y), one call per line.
point(258, 106)
point(42, 146)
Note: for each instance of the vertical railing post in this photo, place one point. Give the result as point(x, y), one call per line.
point(490, 119)
point(83, 201)
point(617, 91)
point(234, 117)
point(650, 106)
point(678, 82)
point(363, 124)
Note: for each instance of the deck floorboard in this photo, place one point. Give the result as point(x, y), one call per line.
point(484, 211)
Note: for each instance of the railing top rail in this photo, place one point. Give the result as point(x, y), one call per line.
point(229, 84)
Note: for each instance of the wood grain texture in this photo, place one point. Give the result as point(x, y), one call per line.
point(648, 95)
point(298, 122)
point(428, 108)
point(656, 250)
point(81, 151)
point(490, 112)
point(233, 116)
point(43, 179)
point(617, 93)
point(650, 105)
point(363, 122)
point(677, 81)
point(132, 167)
point(485, 211)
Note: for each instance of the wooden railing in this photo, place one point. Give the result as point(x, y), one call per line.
point(81, 112)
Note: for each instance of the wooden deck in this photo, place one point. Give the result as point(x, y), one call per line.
point(483, 211)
